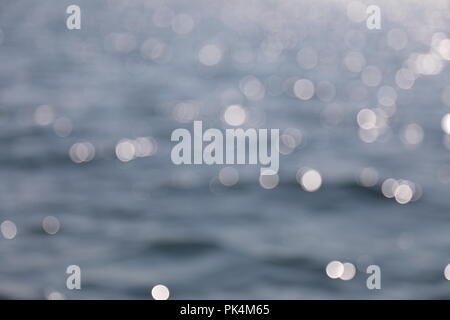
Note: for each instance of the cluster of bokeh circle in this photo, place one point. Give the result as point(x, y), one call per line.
point(373, 123)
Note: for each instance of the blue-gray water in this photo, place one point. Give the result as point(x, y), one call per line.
point(131, 225)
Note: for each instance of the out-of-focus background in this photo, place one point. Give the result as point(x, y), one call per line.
point(85, 170)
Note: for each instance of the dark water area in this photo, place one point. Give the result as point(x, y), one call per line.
point(145, 68)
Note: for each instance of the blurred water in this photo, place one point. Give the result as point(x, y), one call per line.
point(131, 225)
